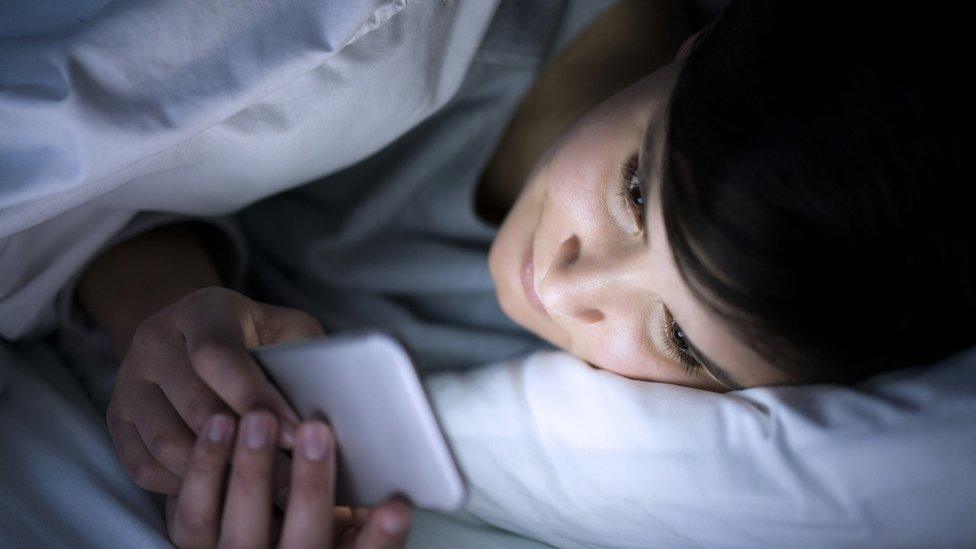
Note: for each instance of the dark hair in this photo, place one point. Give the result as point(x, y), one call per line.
point(814, 193)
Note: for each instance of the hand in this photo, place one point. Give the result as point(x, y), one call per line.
point(194, 517)
point(187, 363)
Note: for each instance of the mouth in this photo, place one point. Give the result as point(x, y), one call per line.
point(528, 281)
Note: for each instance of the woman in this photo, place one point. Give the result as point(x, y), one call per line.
point(779, 209)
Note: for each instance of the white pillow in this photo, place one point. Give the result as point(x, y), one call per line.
point(574, 456)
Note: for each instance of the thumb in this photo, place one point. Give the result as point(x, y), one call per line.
point(285, 324)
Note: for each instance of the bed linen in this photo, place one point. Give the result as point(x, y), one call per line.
point(553, 449)
point(197, 108)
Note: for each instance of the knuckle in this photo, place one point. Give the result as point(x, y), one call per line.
point(206, 463)
point(166, 443)
point(200, 407)
point(153, 341)
point(149, 328)
point(200, 295)
point(144, 475)
point(209, 353)
point(206, 298)
point(208, 357)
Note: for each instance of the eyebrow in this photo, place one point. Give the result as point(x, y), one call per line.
point(718, 373)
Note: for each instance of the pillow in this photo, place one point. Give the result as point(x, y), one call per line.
point(556, 450)
point(109, 107)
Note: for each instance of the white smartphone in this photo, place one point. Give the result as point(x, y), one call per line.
point(366, 387)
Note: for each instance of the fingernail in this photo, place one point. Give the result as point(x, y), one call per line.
point(392, 523)
point(219, 428)
point(257, 431)
point(313, 442)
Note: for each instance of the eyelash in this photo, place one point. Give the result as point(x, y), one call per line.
point(678, 351)
point(670, 331)
point(629, 184)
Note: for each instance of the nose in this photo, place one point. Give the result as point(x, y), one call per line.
point(581, 285)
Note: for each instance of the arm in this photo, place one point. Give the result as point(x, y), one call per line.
point(139, 277)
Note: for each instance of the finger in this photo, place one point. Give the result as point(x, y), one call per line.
point(247, 507)
point(360, 514)
point(285, 324)
point(387, 526)
point(343, 519)
point(166, 364)
point(281, 479)
point(196, 517)
point(312, 494)
point(192, 399)
point(162, 430)
point(141, 466)
point(226, 366)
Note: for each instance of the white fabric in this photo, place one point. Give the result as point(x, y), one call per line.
point(573, 456)
point(196, 108)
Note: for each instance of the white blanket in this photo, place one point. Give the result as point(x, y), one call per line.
point(558, 451)
point(108, 107)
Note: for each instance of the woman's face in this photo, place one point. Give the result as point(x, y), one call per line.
point(578, 263)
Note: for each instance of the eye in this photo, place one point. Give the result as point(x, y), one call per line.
point(673, 343)
point(672, 339)
point(680, 346)
point(630, 190)
point(678, 337)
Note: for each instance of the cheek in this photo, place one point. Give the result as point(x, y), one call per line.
point(629, 356)
point(618, 351)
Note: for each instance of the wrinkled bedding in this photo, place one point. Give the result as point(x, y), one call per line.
point(108, 108)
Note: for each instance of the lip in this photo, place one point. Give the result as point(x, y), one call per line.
point(527, 274)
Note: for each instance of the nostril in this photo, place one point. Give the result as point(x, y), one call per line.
point(589, 316)
point(570, 250)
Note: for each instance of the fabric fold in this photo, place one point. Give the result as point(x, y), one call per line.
point(198, 109)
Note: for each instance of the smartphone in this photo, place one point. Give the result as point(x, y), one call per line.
point(388, 438)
